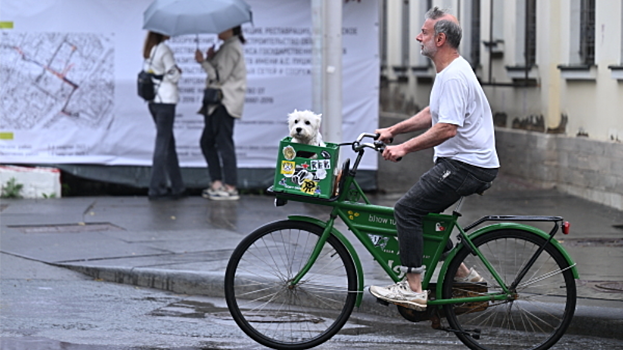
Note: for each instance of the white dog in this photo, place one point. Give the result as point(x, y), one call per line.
point(305, 127)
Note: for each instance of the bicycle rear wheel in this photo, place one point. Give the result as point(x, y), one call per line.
point(543, 303)
point(283, 316)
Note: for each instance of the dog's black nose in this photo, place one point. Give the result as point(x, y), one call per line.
point(298, 130)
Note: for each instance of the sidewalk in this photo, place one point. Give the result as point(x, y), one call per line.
point(183, 246)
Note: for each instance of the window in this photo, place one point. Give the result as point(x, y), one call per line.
point(582, 42)
point(530, 33)
point(616, 71)
point(525, 53)
point(471, 34)
point(525, 41)
point(587, 32)
point(582, 35)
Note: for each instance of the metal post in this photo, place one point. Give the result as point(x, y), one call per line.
point(332, 92)
point(317, 54)
point(327, 66)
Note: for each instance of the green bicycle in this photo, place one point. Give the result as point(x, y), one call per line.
point(293, 284)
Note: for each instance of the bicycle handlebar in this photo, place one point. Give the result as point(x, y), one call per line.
point(378, 145)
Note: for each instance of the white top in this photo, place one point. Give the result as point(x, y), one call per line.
point(457, 98)
point(232, 73)
point(163, 63)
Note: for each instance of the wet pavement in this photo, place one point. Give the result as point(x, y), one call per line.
point(183, 246)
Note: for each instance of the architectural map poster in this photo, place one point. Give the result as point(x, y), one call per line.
point(68, 81)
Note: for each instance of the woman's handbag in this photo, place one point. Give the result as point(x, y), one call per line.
point(145, 84)
point(212, 96)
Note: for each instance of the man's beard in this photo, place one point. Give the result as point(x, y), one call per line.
point(428, 50)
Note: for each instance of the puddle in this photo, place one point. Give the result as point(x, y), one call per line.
point(603, 286)
point(204, 310)
point(193, 309)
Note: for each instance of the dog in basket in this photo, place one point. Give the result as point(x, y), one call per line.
point(305, 128)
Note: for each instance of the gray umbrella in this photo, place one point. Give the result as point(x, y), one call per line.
point(179, 17)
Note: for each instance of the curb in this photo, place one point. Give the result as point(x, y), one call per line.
point(596, 321)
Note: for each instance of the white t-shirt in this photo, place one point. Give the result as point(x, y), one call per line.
point(457, 98)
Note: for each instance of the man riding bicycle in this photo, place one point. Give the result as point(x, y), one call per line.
point(460, 129)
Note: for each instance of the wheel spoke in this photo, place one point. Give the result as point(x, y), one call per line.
point(270, 309)
point(540, 308)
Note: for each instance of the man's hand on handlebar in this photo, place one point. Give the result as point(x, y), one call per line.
point(384, 135)
point(394, 153)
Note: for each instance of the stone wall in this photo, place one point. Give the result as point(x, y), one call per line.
point(576, 165)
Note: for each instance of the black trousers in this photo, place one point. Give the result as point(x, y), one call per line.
point(165, 168)
point(217, 146)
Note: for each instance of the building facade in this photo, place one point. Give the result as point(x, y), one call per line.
point(553, 73)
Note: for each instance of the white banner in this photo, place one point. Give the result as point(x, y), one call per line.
point(68, 81)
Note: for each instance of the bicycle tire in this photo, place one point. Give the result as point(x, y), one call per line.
point(544, 302)
point(280, 316)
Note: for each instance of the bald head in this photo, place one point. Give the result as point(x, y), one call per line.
point(446, 23)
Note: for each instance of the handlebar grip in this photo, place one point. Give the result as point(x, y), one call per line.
point(382, 148)
point(376, 137)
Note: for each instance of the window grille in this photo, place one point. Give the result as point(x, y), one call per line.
point(587, 32)
point(530, 32)
point(475, 37)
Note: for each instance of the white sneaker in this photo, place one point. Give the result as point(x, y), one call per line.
point(223, 194)
point(208, 192)
point(472, 277)
point(401, 294)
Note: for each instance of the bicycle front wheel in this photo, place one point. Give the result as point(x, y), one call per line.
point(272, 311)
point(542, 305)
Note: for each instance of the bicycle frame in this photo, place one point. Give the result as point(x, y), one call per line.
point(374, 227)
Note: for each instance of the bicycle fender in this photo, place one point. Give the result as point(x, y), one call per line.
point(501, 226)
point(346, 243)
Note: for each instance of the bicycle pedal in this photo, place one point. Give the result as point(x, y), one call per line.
point(382, 302)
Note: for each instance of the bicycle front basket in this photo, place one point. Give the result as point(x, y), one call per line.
point(305, 169)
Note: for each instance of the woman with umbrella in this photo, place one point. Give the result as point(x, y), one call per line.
point(226, 70)
point(165, 168)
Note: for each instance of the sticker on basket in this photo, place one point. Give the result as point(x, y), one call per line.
point(308, 186)
point(289, 153)
point(287, 168)
point(320, 174)
point(439, 227)
point(325, 154)
point(320, 164)
point(301, 175)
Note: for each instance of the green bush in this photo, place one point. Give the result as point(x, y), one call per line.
point(12, 189)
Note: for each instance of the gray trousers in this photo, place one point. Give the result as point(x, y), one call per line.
point(217, 146)
point(436, 190)
point(165, 168)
